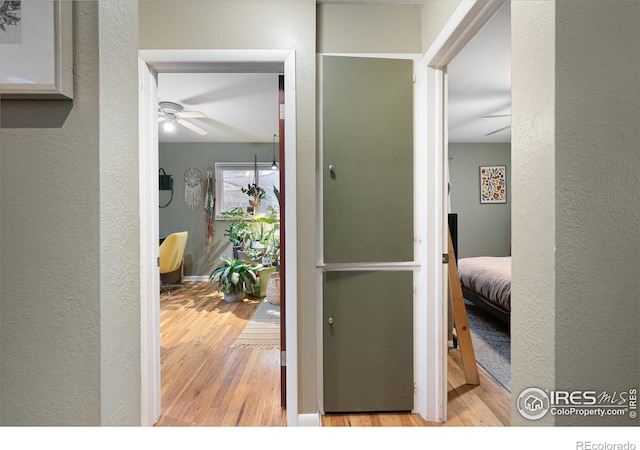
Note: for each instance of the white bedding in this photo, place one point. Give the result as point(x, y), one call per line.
point(488, 276)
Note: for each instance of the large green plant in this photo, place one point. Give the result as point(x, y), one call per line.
point(258, 237)
point(233, 275)
point(240, 231)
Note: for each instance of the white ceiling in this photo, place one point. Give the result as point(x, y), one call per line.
point(243, 107)
point(239, 107)
point(479, 80)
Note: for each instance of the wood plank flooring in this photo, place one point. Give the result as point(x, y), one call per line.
point(204, 381)
point(207, 383)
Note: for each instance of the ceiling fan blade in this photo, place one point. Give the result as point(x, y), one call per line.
point(495, 115)
point(498, 130)
point(192, 127)
point(161, 119)
point(190, 115)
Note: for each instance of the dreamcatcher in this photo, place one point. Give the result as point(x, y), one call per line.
point(209, 208)
point(192, 187)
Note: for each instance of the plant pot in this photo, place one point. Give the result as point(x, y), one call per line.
point(233, 297)
point(273, 288)
point(255, 203)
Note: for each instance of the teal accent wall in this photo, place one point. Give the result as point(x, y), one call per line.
point(175, 159)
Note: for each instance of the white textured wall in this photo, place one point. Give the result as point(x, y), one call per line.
point(119, 218)
point(49, 267)
point(262, 24)
point(597, 315)
point(358, 28)
point(533, 209)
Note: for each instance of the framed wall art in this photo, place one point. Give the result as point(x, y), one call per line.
point(493, 184)
point(36, 49)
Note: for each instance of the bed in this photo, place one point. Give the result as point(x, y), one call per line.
point(486, 281)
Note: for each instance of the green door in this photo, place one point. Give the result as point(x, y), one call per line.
point(367, 139)
point(368, 341)
point(367, 154)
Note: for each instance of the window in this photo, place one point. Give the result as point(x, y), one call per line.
point(232, 177)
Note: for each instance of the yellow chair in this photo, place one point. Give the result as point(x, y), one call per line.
point(171, 260)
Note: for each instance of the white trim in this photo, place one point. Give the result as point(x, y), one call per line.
point(204, 58)
point(309, 420)
point(406, 265)
point(468, 18)
point(149, 276)
point(291, 237)
point(464, 23)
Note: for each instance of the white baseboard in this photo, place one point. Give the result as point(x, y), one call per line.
point(309, 420)
point(196, 278)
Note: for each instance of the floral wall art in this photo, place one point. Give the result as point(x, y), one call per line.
point(493, 184)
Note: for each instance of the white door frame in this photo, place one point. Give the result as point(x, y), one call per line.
point(149, 250)
point(171, 61)
point(431, 159)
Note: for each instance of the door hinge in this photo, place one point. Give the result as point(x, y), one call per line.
point(282, 111)
point(445, 258)
point(414, 77)
point(158, 261)
point(283, 359)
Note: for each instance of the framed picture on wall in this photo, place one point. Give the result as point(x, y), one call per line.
point(36, 49)
point(493, 184)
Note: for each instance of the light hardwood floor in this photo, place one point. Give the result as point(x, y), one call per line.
point(207, 383)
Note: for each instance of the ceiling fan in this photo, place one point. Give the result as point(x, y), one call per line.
point(170, 114)
point(499, 129)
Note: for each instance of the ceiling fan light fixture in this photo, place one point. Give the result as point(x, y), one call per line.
point(172, 114)
point(169, 125)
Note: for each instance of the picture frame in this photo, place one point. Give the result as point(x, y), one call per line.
point(493, 184)
point(36, 37)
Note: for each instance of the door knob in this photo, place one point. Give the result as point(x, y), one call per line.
point(330, 320)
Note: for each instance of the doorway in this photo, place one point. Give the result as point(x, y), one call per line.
point(479, 139)
point(158, 61)
point(464, 23)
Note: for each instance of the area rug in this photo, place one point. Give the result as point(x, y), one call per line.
point(263, 330)
point(491, 343)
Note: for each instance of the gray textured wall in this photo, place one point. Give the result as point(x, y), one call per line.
point(69, 269)
point(576, 246)
point(483, 229)
point(597, 330)
point(50, 248)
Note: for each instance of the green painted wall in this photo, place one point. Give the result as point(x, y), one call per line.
point(176, 158)
point(483, 229)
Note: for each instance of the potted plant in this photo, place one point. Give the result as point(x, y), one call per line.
point(240, 230)
point(256, 194)
point(231, 278)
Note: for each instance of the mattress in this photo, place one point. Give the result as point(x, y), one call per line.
point(489, 277)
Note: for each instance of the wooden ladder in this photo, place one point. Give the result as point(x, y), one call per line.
point(460, 322)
